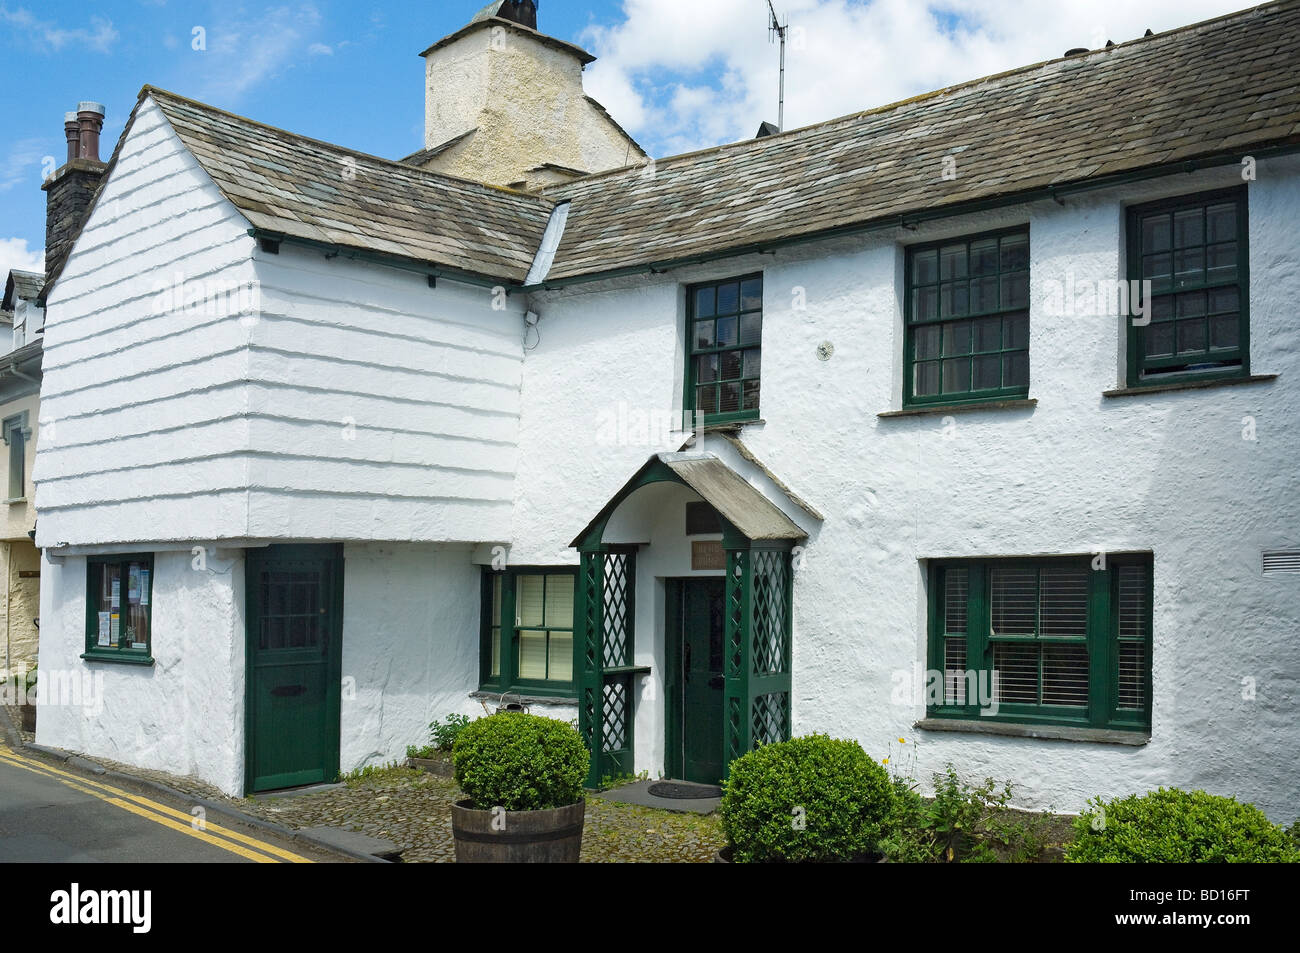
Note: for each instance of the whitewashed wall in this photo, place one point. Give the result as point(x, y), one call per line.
point(184, 714)
point(1165, 472)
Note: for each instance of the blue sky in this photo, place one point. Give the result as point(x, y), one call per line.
point(679, 74)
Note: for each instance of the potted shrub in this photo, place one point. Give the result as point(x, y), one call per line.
point(813, 799)
point(522, 776)
point(1169, 826)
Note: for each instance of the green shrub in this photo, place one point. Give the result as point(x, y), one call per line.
point(443, 734)
point(1169, 826)
point(520, 762)
point(805, 800)
point(961, 823)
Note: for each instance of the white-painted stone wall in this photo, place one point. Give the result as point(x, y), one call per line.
point(525, 99)
point(1169, 473)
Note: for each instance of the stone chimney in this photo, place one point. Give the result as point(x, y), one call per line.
point(504, 104)
point(70, 190)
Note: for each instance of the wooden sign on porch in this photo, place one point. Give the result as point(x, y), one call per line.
point(708, 554)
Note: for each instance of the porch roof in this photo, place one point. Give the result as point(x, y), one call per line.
point(740, 504)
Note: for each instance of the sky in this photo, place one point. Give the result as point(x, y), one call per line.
point(677, 74)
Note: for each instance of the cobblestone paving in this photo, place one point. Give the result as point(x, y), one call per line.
point(413, 809)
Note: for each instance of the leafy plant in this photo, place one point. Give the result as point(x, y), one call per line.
point(520, 762)
point(809, 799)
point(961, 823)
point(443, 734)
point(1171, 826)
point(424, 751)
point(618, 780)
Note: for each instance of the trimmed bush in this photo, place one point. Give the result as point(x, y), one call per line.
point(1169, 826)
point(810, 799)
point(520, 762)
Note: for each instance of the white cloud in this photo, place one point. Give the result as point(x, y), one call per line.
point(681, 74)
point(14, 253)
point(52, 38)
point(244, 52)
point(320, 49)
point(22, 163)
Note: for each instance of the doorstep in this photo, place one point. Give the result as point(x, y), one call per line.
point(638, 792)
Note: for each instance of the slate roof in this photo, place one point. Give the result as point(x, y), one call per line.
point(21, 284)
point(1225, 86)
point(307, 189)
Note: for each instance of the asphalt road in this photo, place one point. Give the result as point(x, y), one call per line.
point(53, 814)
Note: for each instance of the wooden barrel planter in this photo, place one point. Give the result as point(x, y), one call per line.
point(526, 837)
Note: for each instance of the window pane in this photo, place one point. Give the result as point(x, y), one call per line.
point(1065, 675)
point(731, 364)
point(1064, 602)
point(925, 267)
point(1189, 267)
point(1221, 223)
point(1015, 253)
point(983, 295)
point(926, 379)
point(1015, 290)
point(1015, 673)
point(532, 654)
point(1191, 336)
point(926, 343)
point(952, 262)
point(956, 375)
point(752, 360)
point(706, 368)
point(1155, 234)
point(956, 589)
point(560, 656)
point(559, 601)
point(706, 399)
point(704, 302)
point(726, 332)
point(988, 372)
point(751, 328)
point(529, 600)
point(1188, 228)
point(1222, 262)
point(751, 294)
point(1132, 675)
point(495, 636)
point(988, 334)
point(1225, 331)
point(925, 304)
point(1015, 369)
point(956, 338)
point(1159, 340)
point(953, 300)
point(1015, 331)
point(984, 257)
point(704, 334)
point(954, 671)
point(729, 398)
point(1014, 600)
point(751, 395)
point(728, 298)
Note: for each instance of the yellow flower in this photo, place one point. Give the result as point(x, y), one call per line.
point(885, 761)
point(902, 741)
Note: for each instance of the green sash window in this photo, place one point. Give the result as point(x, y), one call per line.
point(527, 631)
point(724, 336)
point(119, 592)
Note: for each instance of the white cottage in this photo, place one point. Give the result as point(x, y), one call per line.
point(970, 420)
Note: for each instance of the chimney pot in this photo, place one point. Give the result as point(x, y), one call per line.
point(90, 116)
point(72, 130)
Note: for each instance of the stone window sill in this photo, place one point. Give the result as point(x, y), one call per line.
point(525, 699)
point(118, 659)
point(1112, 736)
point(1188, 385)
point(1022, 403)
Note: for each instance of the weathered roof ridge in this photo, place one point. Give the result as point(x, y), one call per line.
point(399, 164)
point(777, 138)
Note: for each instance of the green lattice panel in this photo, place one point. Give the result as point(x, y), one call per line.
point(771, 611)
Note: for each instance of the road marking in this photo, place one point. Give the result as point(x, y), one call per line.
point(162, 814)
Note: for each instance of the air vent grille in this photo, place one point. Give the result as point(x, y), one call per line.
point(1282, 561)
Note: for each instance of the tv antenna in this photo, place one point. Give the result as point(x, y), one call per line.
point(775, 28)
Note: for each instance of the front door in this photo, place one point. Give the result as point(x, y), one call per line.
point(695, 633)
point(294, 609)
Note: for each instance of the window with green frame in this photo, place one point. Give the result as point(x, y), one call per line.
point(1193, 250)
point(724, 334)
point(527, 631)
point(118, 608)
point(1059, 641)
point(967, 327)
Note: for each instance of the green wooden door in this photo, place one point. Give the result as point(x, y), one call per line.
point(696, 685)
point(294, 610)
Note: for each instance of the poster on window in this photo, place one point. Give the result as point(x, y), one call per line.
point(144, 587)
point(117, 592)
point(133, 586)
point(105, 639)
point(114, 627)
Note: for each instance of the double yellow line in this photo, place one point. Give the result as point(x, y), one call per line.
point(249, 848)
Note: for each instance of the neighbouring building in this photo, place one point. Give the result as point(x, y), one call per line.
point(23, 320)
point(970, 420)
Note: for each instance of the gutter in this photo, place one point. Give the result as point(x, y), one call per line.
point(13, 369)
point(905, 219)
point(434, 272)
